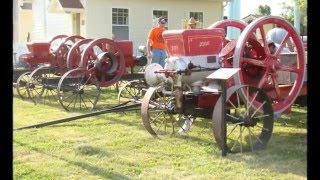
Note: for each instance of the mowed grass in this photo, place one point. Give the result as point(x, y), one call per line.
point(117, 146)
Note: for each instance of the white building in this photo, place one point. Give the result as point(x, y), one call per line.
point(126, 19)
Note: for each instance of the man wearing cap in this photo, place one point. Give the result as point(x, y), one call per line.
point(273, 47)
point(156, 48)
point(192, 23)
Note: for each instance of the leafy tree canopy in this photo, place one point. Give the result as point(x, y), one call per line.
point(288, 14)
point(263, 10)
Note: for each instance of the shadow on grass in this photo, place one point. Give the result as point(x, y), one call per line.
point(296, 118)
point(103, 173)
point(108, 120)
point(204, 123)
point(284, 149)
point(201, 123)
point(83, 116)
point(15, 95)
point(285, 153)
point(105, 101)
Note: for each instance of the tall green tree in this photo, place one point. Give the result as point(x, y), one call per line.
point(302, 6)
point(263, 10)
point(288, 14)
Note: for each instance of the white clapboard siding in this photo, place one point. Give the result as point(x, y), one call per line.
point(38, 20)
point(47, 25)
point(98, 16)
point(59, 24)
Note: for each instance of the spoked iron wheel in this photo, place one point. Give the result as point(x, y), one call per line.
point(249, 122)
point(158, 115)
point(61, 52)
point(78, 90)
point(132, 90)
point(264, 69)
point(22, 85)
point(118, 85)
point(42, 84)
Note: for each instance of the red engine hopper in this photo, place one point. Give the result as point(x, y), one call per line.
point(194, 42)
point(38, 53)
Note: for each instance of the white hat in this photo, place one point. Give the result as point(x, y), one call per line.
point(192, 21)
point(269, 41)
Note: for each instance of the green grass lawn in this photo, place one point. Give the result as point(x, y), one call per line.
point(117, 146)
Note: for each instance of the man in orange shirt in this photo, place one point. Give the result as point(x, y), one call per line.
point(156, 48)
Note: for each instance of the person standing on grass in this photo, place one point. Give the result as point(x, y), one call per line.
point(156, 47)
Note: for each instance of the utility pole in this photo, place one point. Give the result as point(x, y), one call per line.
point(234, 13)
point(296, 16)
point(15, 17)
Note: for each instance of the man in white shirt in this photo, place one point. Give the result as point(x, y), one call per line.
point(276, 35)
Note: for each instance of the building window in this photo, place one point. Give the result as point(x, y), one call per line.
point(157, 14)
point(120, 16)
point(199, 17)
point(120, 24)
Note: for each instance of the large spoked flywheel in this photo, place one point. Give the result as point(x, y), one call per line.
point(263, 68)
point(61, 52)
point(105, 59)
point(227, 51)
point(229, 23)
point(74, 54)
point(55, 41)
point(58, 38)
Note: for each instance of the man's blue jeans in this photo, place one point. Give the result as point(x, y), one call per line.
point(159, 55)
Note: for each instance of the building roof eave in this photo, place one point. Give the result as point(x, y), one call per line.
point(59, 6)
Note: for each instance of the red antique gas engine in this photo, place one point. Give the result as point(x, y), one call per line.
point(258, 92)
